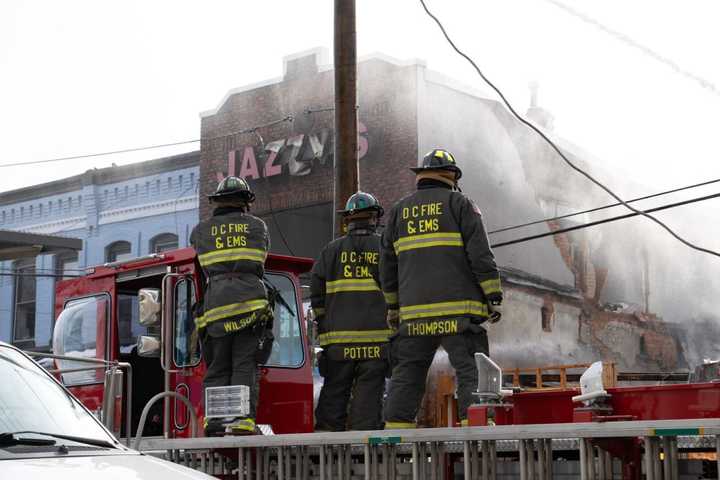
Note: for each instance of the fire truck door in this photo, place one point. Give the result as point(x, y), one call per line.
point(183, 354)
point(83, 329)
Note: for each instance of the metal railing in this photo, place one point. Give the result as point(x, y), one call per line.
point(108, 392)
point(433, 453)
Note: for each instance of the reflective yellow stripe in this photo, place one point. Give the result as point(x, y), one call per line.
point(354, 336)
point(398, 425)
point(391, 297)
point(444, 239)
point(442, 309)
point(464, 423)
point(491, 286)
point(351, 285)
point(232, 255)
point(246, 425)
point(227, 311)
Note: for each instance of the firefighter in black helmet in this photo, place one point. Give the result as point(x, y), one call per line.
point(231, 248)
point(441, 284)
point(350, 313)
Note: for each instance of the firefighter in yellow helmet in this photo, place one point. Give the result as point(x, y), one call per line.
point(441, 284)
point(232, 246)
point(350, 314)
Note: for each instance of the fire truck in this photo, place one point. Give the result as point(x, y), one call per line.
point(138, 314)
point(126, 345)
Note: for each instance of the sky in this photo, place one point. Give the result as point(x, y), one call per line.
point(84, 76)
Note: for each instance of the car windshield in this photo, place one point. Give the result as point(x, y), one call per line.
point(30, 400)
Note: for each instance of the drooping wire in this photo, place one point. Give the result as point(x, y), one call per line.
point(148, 147)
point(556, 148)
point(704, 83)
point(269, 195)
point(606, 220)
point(604, 207)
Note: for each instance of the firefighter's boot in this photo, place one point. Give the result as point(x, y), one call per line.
point(215, 427)
point(241, 426)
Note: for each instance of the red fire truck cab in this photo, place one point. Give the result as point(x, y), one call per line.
point(98, 316)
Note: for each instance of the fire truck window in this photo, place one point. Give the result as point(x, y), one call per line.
point(129, 327)
point(80, 332)
point(288, 346)
point(187, 347)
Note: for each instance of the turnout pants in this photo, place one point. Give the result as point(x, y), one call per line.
point(411, 357)
point(230, 360)
point(360, 383)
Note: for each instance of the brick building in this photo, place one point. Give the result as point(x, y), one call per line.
point(564, 293)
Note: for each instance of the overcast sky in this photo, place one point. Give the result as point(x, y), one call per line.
point(89, 76)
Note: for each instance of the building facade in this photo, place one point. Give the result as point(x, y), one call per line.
point(571, 295)
point(119, 213)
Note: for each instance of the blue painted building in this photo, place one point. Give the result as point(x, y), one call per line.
point(118, 212)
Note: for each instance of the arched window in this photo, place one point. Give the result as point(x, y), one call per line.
point(164, 242)
point(118, 251)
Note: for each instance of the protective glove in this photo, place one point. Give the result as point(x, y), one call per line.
point(393, 319)
point(495, 308)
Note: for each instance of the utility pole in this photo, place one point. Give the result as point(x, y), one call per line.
point(346, 120)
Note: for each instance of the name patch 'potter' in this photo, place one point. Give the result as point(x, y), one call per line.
point(361, 353)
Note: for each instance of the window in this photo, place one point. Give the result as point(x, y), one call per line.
point(287, 349)
point(163, 243)
point(547, 315)
point(67, 264)
point(187, 347)
point(129, 328)
point(118, 251)
point(79, 330)
point(24, 324)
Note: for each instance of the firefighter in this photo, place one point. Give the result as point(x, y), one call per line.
point(350, 313)
point(441, 284)
point(231, 247)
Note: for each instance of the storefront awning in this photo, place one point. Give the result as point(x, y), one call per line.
point(14, 245)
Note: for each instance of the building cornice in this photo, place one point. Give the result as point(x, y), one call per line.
point(323, 65)
point(148, 210)
point(102, 176)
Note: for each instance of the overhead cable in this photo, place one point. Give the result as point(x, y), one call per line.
point(556, 148)
point(604, 207)
point(704, 83)
point(606, 220)
point(269, 197)
point(147, 147)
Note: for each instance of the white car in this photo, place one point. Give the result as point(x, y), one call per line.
point(46, 433)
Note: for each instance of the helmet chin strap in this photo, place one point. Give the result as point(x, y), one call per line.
point(444, 176)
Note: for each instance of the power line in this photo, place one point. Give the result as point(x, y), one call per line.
point(91, 155)
point(148, 147)
point(604, 207)
point(607, 220)
point(269, 197)
point(556, 148)
point(706, 84)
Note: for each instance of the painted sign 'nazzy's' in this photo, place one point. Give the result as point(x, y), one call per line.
point(296, 154)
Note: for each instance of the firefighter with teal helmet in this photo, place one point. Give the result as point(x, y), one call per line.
point(350, 313)
point(231, 249)
point(441, 284)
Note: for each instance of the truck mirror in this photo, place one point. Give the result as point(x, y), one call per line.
point(148, 346)
point(149, 306)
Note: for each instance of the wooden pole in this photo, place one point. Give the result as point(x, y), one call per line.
point(346, 120)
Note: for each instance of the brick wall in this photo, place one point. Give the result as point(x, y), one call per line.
point(387, 111)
